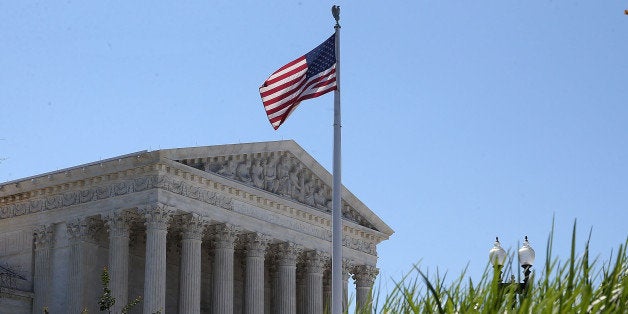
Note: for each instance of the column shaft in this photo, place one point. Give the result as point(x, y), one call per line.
point(254, 280)
point(42, 276)
point(81, 257)
point(286, 273)
point(75, 281)
point(314, 294)
point(190, 273)
point(118, 226)
point(364, 276)
point(287, 289)
point(315, 262)
point(155, 271)
point(254, 289)
point(222, 292)
point(157, 219)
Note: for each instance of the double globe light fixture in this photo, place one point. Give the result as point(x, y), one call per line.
point(497, 256)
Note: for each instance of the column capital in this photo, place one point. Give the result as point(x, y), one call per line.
point(256, 244)
point(286, 253)
point(43, 236)
point(193, 226)
point(81, 229)
point(224, 235)
point(118, 222)
point(157, 216)
point(364, 275)
point(315, 261)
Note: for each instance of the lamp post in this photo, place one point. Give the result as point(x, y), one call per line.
point(526, 259)
point(497, 256)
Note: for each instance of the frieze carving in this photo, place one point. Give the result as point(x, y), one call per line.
point(359, 245)
point(278, 173)
point(115, 189)
point(193, 192)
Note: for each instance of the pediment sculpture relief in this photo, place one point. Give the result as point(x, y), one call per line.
point(278, 173)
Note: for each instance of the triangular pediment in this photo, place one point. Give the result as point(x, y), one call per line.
point(282, 168)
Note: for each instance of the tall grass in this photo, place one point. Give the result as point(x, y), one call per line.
point(578, 285)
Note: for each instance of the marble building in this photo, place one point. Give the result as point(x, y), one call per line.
point(242, 228)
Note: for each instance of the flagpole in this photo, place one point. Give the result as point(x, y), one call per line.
point(336, 261)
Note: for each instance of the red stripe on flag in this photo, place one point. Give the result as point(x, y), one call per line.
point(283, 91)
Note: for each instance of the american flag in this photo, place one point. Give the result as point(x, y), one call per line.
point(309, 76)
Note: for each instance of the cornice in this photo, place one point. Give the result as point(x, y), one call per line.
point(57, 181)
point(87, 174)
point(185, 181)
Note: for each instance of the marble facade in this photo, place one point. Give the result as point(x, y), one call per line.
point(242, 228)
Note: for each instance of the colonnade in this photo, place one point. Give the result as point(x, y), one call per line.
point(307, 291)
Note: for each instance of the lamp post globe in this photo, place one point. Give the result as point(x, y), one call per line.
point(526, 259)
point(497, 255)
point(526, 254)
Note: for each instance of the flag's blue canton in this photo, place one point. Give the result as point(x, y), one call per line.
point(322, 57)
point(308, 76)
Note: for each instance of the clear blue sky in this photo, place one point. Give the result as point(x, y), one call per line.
point(462, 120)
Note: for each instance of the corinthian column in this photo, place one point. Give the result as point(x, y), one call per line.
point(81, 257)
point(364, 276)
point(157, 220)
point(118, 226)
point(286, 272)
point(43, 248)
point(254, 281)
point(222, 291)
point(314, 267)
point(190, 274)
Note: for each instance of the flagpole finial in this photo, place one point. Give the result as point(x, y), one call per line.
point(335, 11)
